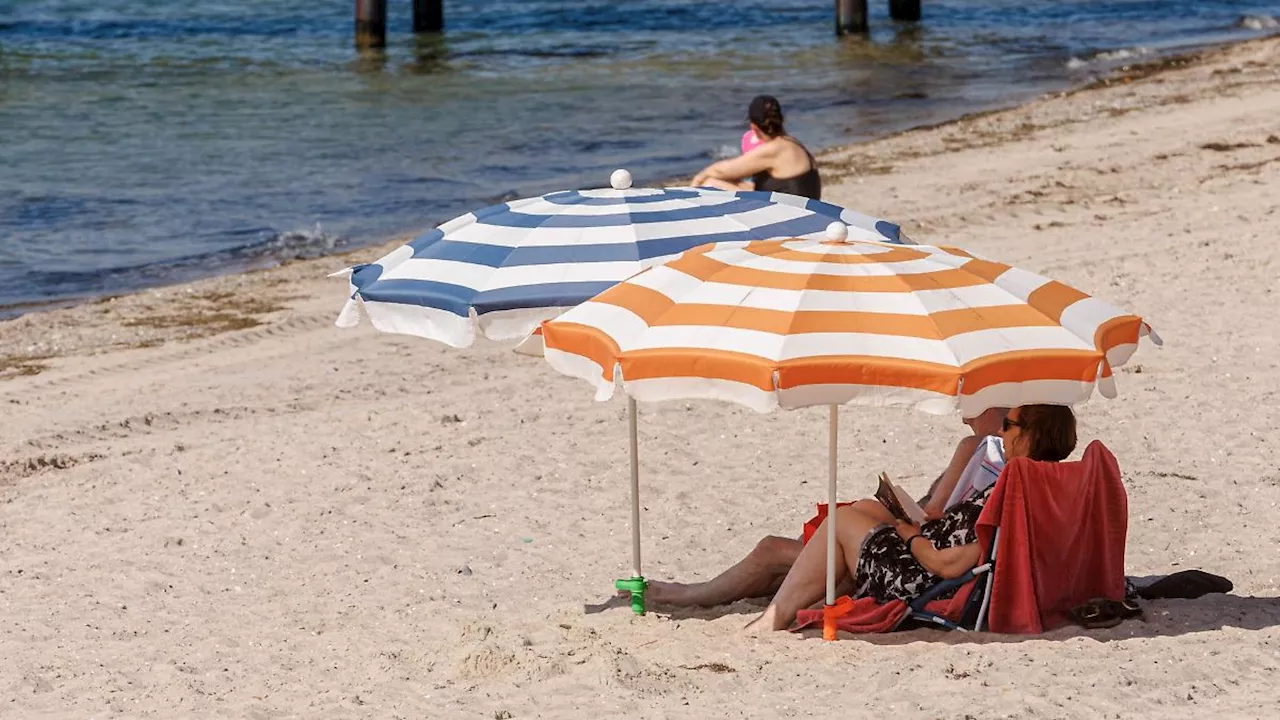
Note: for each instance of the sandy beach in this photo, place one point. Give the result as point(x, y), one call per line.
point(216, 504)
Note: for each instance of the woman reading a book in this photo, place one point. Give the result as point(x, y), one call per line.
point(901, 560)
point(762, 571)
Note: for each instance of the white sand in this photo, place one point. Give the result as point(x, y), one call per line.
point(286, 520)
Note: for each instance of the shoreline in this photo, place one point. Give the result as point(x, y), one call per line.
point(1121, 74)
point(208, 308)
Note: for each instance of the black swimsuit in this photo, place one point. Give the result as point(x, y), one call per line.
point(806, 184)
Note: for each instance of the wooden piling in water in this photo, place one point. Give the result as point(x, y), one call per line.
point(908, 10)
point(428, 15)
point(851, 16)
point(371, 23)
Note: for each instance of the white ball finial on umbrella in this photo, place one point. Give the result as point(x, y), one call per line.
point(620, 180)
point(837, 232)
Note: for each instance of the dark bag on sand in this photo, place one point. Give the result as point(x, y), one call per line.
point(1185, 585)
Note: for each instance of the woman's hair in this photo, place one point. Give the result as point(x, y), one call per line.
point(766, 112)
point(1050, 431)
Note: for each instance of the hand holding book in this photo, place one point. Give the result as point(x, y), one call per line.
point(898, 502)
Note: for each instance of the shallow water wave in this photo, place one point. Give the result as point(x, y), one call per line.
point(1109, 58)
point(148, 142)
point(1259, 22)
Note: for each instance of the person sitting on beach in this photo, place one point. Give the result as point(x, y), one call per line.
point(900, 561)
point(975, 463)
point(779, 164)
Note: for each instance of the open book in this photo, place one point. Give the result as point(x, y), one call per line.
point(898, 502)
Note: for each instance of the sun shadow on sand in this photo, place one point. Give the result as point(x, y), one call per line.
point(1164, 618)
point(744, 607)
point(611, 603)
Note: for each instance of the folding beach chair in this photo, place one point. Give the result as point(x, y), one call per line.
point(973, 603)
point(1069, 519)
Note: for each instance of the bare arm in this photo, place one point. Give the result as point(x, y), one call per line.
point(738, 169)
point(941, 490)
point(723, 184)
point(947, 563)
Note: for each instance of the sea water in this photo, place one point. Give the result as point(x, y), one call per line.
point(149, 141)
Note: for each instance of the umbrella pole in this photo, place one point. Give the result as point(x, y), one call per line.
point(636, 584)
point(828, 615)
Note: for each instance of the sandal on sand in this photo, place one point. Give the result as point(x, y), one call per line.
point(1101, 613)
point(1186, 585)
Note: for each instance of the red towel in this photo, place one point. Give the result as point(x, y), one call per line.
point(815, 522)
point(1062, 537)
point(867, 616)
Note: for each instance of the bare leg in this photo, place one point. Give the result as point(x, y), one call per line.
point(806, 582)
point(873, 509)
point(757, 575)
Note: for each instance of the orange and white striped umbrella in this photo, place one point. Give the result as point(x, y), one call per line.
point(793, 323)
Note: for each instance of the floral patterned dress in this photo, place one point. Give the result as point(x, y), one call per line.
point(888, 571)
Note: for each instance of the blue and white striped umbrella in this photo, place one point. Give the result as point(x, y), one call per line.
point(504, 269)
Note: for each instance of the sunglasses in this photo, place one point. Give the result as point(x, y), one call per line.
point(1008, 424)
